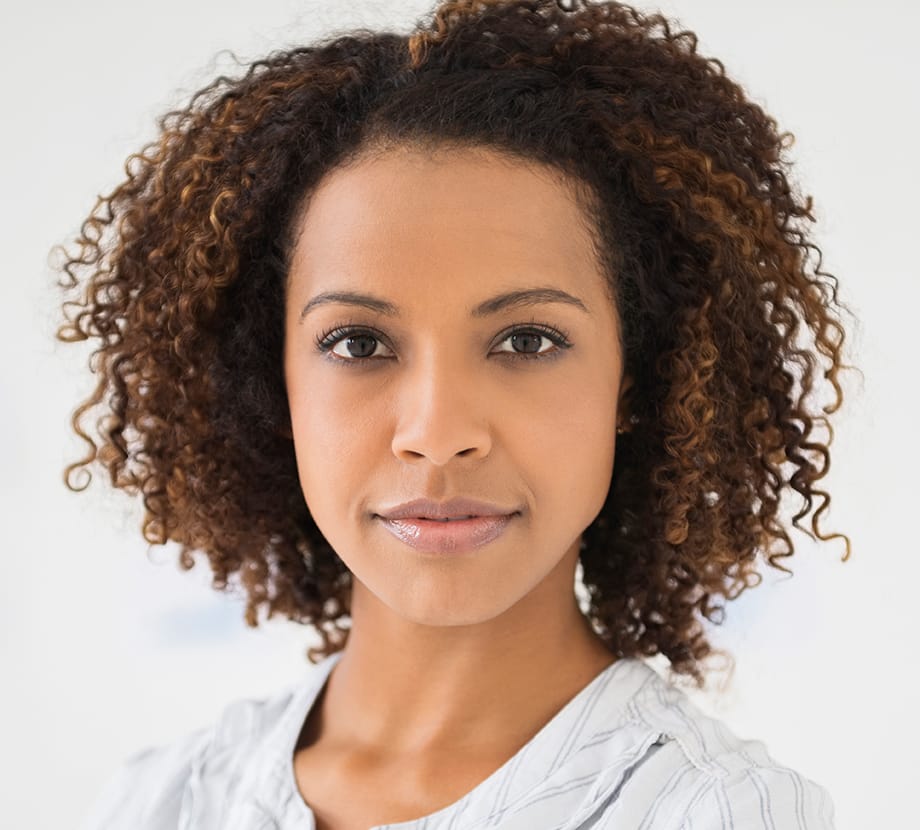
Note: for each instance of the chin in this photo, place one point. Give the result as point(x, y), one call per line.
point(442, 612)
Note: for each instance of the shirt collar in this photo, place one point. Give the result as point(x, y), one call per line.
point(595, 731)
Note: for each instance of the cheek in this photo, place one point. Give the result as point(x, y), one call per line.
point(329, 431)
point(575, 446)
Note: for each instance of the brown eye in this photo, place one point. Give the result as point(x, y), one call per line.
point(351, 345)
point(361, 345)
point(534, 343)
point(528, 343)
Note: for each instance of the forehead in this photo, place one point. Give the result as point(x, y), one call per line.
point(438, 217)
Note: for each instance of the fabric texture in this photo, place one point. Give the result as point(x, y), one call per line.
point(628, 751)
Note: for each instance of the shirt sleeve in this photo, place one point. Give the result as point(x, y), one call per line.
point(762, 798)
point(146, 791)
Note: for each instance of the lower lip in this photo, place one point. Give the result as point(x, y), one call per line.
point(460, 536)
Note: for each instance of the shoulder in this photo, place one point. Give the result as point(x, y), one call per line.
point(717, 779)
point(755, 795)
point(145, 791)
point(154, 788)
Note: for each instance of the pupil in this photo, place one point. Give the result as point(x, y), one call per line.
point(364, 339)
point(525, 339)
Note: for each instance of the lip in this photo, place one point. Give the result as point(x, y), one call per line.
point(454, 537)
point(473, 523)
point(459, 507)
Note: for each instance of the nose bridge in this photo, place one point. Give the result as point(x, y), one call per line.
point(440, 409)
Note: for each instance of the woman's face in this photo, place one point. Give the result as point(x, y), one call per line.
point(437, 383)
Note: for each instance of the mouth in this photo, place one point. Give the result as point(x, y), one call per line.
point(459, 508)
point(451, 519)
point(452, 535)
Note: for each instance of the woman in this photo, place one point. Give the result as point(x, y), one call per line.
point(405, 333)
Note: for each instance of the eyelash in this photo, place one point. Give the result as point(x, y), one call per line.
point(327, 340)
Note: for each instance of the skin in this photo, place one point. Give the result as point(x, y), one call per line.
point(453, 662)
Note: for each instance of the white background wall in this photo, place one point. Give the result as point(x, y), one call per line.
point(106, 648)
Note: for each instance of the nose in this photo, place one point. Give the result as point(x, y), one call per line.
point(441, 413)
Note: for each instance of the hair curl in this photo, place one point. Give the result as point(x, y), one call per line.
point(727, 315)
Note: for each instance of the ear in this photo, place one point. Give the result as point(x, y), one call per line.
point(284, 430)
point(625, 397)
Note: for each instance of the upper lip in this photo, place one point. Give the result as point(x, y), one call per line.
point(456, 507)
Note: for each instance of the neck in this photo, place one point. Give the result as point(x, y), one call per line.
point(401, 688)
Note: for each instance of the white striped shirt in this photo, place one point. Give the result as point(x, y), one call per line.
point(629, 751)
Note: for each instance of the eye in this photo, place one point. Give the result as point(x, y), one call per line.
point(359, 345)
point(532, 342)
point(351, 345)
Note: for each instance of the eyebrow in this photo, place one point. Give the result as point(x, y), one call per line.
point(510, 299)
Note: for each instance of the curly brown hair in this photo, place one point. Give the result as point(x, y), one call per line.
point(727, 315)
